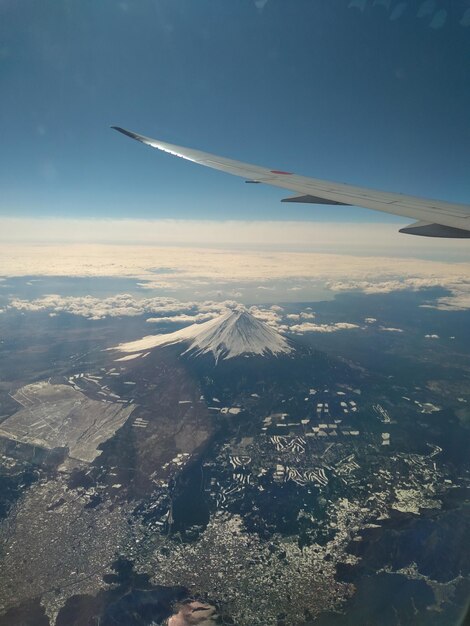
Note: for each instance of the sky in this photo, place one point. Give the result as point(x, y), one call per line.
point(371, 92)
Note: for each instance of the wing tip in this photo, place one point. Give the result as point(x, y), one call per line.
point(129, 133)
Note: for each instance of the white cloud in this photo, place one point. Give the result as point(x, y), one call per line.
point(303, 315)
point(270, 316)
point(228, 270)
point(391, 329)
point(122, 305)
point(370, 320)
point(458, 301)
point(431, 336)
point(309, 327)
point(169, 266)
point(167, 310)
point(184, 318)
point(451, 277)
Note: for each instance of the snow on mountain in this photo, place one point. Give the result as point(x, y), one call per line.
point(234, 333)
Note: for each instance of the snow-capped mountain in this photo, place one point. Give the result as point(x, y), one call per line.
point(234, 333)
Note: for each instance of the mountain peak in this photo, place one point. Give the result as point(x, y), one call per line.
point(234, 333)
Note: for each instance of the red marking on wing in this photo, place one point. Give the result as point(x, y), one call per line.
point(280, 172)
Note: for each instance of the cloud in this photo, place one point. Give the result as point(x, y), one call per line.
point(229, 272)
point(270, 316)
point(161, 265)
point(358, 4)
point(454, 280)
point(465, 21)
point(303, 315)
point(458, 301)
point(391, 329)
point(260, 4)
point(439, 19)
point(165, 310)
point(122, 305)
point(309, 327)
point(184, 318)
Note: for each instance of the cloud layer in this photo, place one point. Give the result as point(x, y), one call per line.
point(169, 269)
point(123, 305)
point(184, 313)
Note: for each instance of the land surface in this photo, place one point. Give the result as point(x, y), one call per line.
point(327, 485)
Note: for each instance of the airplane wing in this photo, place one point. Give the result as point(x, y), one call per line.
point(434, 218)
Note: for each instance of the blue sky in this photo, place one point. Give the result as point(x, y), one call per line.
point(364, 92)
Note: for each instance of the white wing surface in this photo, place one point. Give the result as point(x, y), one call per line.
point(434, 218)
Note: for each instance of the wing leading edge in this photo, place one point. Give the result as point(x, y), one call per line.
point(434, 218)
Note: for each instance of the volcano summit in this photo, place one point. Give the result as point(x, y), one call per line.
point(232, 334)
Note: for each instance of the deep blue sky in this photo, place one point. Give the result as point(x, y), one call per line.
point(368, 93)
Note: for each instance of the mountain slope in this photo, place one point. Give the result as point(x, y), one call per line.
point(233, 334)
